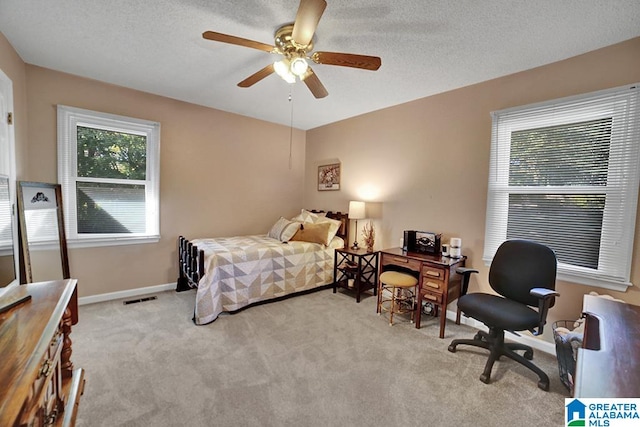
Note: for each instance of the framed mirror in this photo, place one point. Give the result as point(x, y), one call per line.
point(43, 243)
point(42, 236)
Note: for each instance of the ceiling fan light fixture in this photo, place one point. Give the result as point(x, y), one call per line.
point(299, 66)
point(282, 68)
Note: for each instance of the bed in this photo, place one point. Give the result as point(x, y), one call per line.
point(234, 273)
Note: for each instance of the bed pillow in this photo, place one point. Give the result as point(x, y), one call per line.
point(314, 233)
point(284, 229)
point(305, 216)
point(334, 225)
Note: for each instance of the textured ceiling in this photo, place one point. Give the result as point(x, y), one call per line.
point(427, 47)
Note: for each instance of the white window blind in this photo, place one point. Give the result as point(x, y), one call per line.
point(108, 166)
point(565, 173)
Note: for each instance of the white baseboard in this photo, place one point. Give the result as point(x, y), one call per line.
point(533, 342)
point(126, 294)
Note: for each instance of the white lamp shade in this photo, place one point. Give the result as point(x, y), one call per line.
point(356, 210)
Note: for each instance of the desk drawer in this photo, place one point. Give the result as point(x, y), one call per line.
point(435, 298)
point(433, 279)
point(399, 261)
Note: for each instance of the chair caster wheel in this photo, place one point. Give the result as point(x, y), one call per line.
point(452, 348)
point(485, 379)
point(528, 354)
point(543, 385)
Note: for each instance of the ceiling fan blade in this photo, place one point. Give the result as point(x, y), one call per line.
point(226, 38)
point(347, 60)
point(256, 77)
point(313, 83)
point(307, 18)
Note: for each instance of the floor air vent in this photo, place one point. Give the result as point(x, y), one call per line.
point(133, 301)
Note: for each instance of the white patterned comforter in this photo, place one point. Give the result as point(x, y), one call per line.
point(247, 269)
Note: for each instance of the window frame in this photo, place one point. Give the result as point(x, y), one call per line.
point(69, 118)
point(619, 190)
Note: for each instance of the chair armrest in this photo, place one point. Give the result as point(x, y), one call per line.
point(466, 276)
point(545, 298)
point(543, 293)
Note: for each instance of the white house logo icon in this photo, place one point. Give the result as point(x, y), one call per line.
point(576, 413)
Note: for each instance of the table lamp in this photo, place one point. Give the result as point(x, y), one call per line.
point(356, 212)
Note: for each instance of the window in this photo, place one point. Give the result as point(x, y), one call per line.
point(565, 173)
point(109, 170)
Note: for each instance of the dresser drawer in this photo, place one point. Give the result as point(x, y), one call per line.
point(398, 261)
point(43, 397)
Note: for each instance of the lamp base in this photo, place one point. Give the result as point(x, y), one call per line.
point(355, 246)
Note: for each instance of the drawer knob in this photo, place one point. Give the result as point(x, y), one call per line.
point(432, 273)
point(401, 260)
point(50, 419)
point(46, 368)
point(430, 297)
point(432, 285)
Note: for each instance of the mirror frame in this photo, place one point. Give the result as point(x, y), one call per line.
point(26, 275)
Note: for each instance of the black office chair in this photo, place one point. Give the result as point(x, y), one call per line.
point(524, 274)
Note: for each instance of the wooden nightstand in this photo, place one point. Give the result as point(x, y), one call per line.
point(358, 267)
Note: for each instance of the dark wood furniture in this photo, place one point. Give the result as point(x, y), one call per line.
point(438, 282)
point(608, 363)
point(39, 384)
point(358, 267)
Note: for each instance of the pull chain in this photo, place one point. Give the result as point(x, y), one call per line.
point(291, 128)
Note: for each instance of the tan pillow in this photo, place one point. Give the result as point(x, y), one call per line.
point(334, 225)
point(314, 233)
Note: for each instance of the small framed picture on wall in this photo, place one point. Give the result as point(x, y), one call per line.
point(329, 177)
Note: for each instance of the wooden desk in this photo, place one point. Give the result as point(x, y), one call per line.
point(438, 281)
point(608, 363)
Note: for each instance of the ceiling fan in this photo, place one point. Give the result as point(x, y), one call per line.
point(295, 42)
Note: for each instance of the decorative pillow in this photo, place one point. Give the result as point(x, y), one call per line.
point(284, 229)
point(305, 216)
point(314, 233)
point(334, 225)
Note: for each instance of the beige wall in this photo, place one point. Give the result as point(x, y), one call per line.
point(221, 174)
point(426, 162)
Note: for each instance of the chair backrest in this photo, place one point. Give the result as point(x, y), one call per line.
point(521, 265)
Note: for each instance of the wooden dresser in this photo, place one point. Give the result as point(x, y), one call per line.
point(438, 281)
point(39, 385)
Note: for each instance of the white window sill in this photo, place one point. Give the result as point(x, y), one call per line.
point(598, 283)
point(579, 279)
point(111, 241)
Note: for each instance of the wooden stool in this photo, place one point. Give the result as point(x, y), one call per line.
point(402, 287)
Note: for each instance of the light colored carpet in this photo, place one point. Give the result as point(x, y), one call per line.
point(314, 360)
